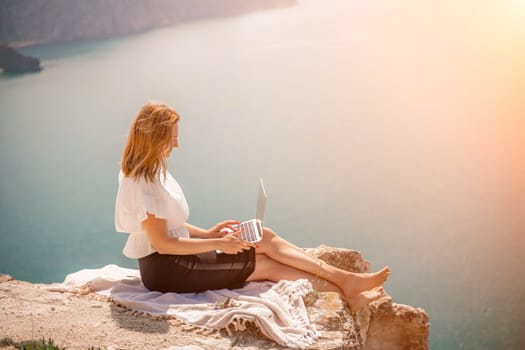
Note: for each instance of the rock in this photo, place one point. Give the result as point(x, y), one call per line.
point(394, 324)
point(5, 278)
point(345, 259)
point(77, 324)
point(13, 62)
point(383, 326)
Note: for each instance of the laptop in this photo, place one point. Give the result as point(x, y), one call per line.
point(252, 230)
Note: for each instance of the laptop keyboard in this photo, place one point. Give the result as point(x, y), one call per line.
point(251, 230)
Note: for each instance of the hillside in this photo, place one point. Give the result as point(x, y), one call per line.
point(33, 22)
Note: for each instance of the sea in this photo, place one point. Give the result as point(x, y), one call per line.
point(393, 128)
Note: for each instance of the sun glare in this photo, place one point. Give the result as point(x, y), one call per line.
point(518, 4)
point(517, 10)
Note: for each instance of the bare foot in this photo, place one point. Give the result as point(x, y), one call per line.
point(359, 282)
point(359, 301)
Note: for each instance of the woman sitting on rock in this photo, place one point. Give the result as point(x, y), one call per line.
point(175, 256)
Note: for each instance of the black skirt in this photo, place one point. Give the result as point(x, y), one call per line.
point(197, 272)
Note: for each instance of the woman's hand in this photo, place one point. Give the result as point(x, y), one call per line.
point(221, 229)
point(232, 244)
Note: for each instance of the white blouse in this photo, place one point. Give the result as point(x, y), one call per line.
point(135, 198)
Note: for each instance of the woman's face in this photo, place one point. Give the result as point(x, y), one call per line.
point(174, 139)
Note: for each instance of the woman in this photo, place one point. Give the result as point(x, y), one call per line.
point(175, 256)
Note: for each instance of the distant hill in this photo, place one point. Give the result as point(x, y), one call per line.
point(32, 22)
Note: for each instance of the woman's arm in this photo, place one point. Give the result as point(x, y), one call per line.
point(157, 230)
point(195, 231)
point(214, 232)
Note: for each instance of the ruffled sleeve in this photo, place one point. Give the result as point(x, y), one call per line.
point(135, 199)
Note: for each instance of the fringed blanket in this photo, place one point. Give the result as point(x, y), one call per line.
point(276, 308)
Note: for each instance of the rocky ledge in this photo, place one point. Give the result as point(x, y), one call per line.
point(383, 326)
point(13, 62)
point(28, 311)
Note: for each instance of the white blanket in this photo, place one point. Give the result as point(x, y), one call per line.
point(277, 309)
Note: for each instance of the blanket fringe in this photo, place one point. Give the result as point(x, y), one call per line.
point(238, 324)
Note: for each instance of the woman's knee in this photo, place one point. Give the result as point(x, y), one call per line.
point(267, 243)
point(268, 233)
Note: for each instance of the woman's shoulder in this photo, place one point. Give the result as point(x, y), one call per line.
point(128, 183)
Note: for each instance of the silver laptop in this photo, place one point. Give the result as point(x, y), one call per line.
point(252, 230)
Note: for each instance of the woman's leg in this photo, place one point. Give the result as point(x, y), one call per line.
point(350, 283)
point(268, 269)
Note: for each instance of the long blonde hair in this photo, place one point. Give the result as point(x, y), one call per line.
point(148, 139)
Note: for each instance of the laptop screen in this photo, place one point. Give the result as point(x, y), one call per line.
point(261, 201)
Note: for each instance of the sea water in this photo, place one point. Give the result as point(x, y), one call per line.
point(393, 129)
